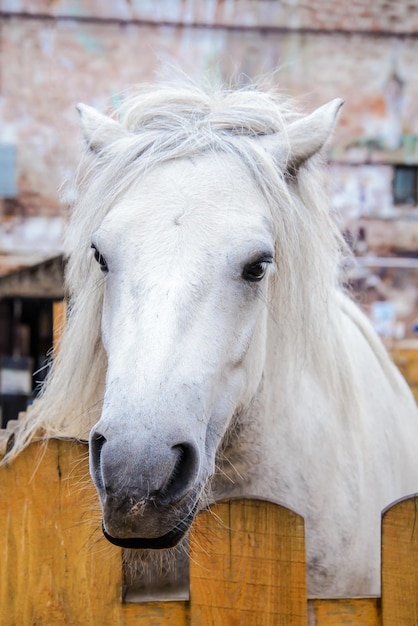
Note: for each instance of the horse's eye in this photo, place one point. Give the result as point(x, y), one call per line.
point(254, 272)
point(100, 259)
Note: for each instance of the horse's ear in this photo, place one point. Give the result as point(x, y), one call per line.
point(98, 130)
point(306, 136)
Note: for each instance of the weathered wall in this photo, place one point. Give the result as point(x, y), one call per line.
point(399, 16)
point(56, 53)
point(48, 65)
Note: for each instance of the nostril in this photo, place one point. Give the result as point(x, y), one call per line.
point(97, 442)
point(183, 474)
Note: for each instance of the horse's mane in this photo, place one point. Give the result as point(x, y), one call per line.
point(171, 121)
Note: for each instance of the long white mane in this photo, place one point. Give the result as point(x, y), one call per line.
point(165, 122)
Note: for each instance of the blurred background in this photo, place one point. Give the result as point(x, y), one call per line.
point(55, 53)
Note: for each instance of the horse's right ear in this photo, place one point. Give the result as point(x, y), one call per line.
point(305, 137)
point(99, 130)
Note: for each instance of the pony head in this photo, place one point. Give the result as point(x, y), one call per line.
point(187, 252)
point(191, 220)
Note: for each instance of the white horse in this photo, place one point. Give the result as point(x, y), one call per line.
point(210, 351)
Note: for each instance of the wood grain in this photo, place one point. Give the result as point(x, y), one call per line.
point(59, 317)
point(350, 612)
point(247, 559)
point(400, 564)
point(56, 568)
point(248, 566)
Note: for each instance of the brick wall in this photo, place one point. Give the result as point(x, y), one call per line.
point(54, 54)
point(48, 66)
point(394, 16)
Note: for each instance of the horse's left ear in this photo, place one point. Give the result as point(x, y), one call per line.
point(98, 130)
point(306, 136)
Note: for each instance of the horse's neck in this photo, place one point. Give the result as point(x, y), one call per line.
point(303, 421)
point(299, 405)
point(257, 460)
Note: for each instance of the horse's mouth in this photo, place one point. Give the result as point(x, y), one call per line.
point(169, 540)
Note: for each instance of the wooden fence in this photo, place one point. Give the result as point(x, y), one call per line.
point(247, 565)
point(405, 356)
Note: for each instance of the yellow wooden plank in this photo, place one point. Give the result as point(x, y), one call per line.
point(351, 612)
point(412, 372)
point(406, 360)
point(53, 548)
point(56, 568)
point(59, 315)
point(247, 566)
point(400, 564)
point(156, 614)
point(414, 389)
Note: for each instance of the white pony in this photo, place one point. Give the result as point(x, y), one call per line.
point(210, 351)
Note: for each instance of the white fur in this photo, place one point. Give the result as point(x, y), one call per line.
point(282, 384)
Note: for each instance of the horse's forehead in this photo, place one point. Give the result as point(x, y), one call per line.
point(191, 192)
point(200, 177)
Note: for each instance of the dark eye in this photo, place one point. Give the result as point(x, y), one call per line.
point(254, 272)
point(100, 259)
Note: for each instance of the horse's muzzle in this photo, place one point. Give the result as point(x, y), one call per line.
point(169, 540)
point(148, 493)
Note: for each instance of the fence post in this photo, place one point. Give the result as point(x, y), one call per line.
point(59, 315)
point(247, 566)
point(400, 563)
